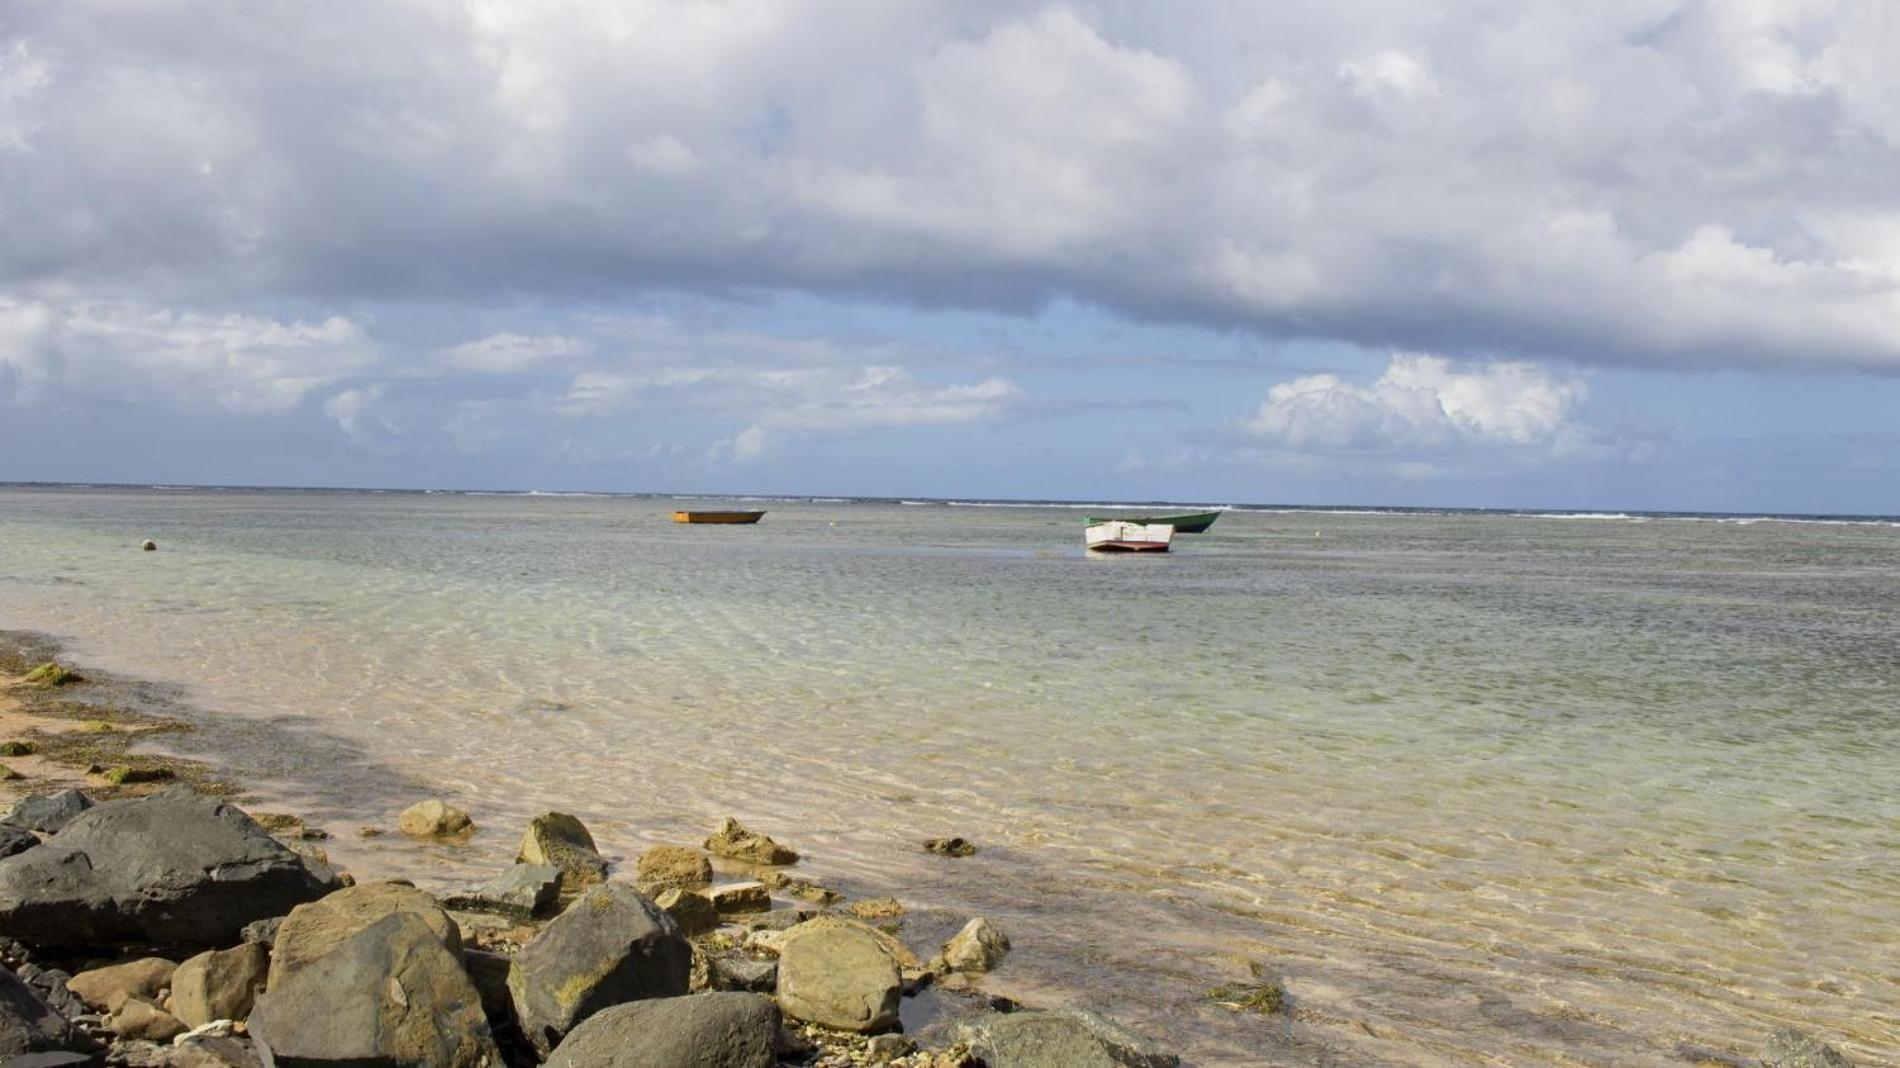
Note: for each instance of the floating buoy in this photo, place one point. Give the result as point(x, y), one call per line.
point(150, 546)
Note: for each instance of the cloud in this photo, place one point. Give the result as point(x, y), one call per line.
point(1700, 184)
point(240, 363)
point(353, 410)
point(1422, 406)
point(507, 353)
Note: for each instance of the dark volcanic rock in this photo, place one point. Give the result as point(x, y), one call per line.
point(390, 995)
point(47, 813)
point(172, 868)
point(1067, 1038)
point(16, 840)
point(701, 1031)
point(27, 1023)
point(611, 946)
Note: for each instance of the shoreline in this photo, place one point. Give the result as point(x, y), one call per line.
point(86, 734)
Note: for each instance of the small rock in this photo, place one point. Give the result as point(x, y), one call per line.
point(521, 892)
point(836, 973)
point(1263, 998)
point(1789, 1048)
point(692, 910)
point(139, 1019)
point(313, 930)
point(47, 813)
point(391, 993)
point(14, 840)
point(735, 841)
point(1067, 1038)
point(369, 832)
point(735, 898)
point(721, 1030)
point(979, 947)
point(125, 775)
point(950, 847)
point(214, 1050)
point(262, 932)
point(560, 840)
point(50, 985)
point(434, 819)
point(219, 984)
point(104, 988)
point(883, 1049)
point(612, 945)
point(744, 973)
point(775, 920)
point(18, 749)
point(875, 908)
point(148, 545)
point(670, 865)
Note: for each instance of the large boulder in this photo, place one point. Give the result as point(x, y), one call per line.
point(314, 929)
point(1065, 1038)
point(728, 1030)
point(611, 946)
point(27, 1023)
point(837, 973)
point(221, 984)
point(47, 813)
point(172, 868)
point(734, 840)
point(562, 841)
point(392, 994)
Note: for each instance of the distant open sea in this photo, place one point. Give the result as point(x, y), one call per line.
point(1480, 787)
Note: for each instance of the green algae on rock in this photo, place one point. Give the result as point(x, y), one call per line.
point(51, 674)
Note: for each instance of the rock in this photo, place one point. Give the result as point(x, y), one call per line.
point(950, 847)
point(733, 840)
point(735, 898)
point(434, 819)
point(124, 775)
point(47, 813)
point(1789, 1048)
point(559, 840)
point(612, 945)
point(51, 1059)
point(883, 1049)
point(670, 865)
point(104, 988)
point(723, 1030)
point(390, 994)
point(212, 1051)
point(262, 932)
point(15, 840)
point(744, 973)
point(979, 947)
point(50, 985)
point(27, 1023)
point(1066, 1038)
point(1265, 998)
point(692, 910)
point(836, 973)
point(314, 929)
point(48, 675)
point(489, 972)
point(172, 868)
point(18, 749)
point(776, 919)
point(137, 1018)
point(875, 908)
point(219, 984)
point(148, 545)
point(521, 892)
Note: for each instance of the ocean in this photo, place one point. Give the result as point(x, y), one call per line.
point(1479, 788)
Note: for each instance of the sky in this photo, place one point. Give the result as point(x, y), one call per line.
point(1483, 253)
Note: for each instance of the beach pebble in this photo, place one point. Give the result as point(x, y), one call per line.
point(671, 865)
point(391, 993)
point(735, 841)
point(717, 1030)
point(220, 984)
point(313, 930)
point(560, 840)
point(836, 973)
point(434, 819)
point(612, 945)
point(979, 947)
point(735, 898)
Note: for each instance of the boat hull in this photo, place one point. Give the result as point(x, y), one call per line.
point(1183, 523)
point(723, 518)
point(1115, 536)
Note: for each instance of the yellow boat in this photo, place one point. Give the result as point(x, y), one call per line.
point(717, 517)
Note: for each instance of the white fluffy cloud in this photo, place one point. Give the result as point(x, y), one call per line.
point(1635, 181)
point(1424, 405)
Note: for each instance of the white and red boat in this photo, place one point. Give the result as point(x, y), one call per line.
point(1116, 536)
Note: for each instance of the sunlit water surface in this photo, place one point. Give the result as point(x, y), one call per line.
point(1480, 789)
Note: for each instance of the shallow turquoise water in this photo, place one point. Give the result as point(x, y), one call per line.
point(1483, 789)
